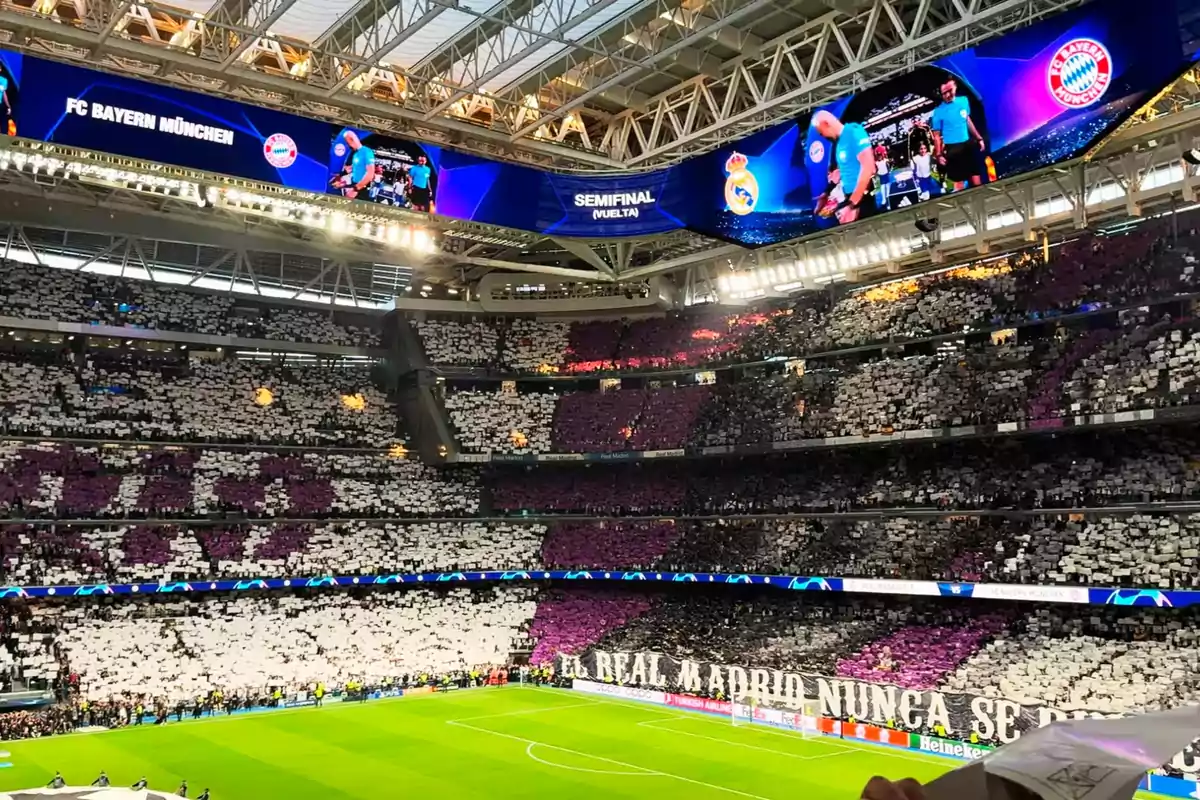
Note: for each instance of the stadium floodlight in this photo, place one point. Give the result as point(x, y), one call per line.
point(927, 225)
point(421, 241)
point(338, 223)
point(802, 717)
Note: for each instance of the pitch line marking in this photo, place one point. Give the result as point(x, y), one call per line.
point(827, 741)
point(529, 752)
point(643, 770)
point(918, 756)
point(652, 724)
point(541, 710)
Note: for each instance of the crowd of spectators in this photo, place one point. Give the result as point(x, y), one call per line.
point(459, 343)
point(178, 648)
point(1142, 362)
point(504, 421)
point(60, 481)
point(1107, 660)
point(65, 394)
point(38, 292)
point(209, 510)
point(1081, 470)
point(171, 650)
point(124, 553)
point(1084, 274)
point(1132, 550)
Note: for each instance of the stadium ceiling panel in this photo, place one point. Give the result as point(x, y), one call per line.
point(575, 84)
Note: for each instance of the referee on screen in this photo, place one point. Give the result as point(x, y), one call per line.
point(957, 143)
point(362, 166)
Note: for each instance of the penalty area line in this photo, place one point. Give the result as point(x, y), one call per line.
point(654, 723)
point(529, 743)
point(541, 710)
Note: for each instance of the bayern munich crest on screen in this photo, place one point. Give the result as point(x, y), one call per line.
point(280, 150)
point(1080, 73)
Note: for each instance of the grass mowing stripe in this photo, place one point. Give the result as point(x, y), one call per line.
point(490, 744)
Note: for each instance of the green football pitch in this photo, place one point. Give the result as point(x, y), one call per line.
point(486, 743)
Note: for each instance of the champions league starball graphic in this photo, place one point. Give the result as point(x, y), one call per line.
point(1137, 597)
point(810, 585)
point(741, 187)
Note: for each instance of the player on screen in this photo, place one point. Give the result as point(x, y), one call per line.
point(855, 160)
point(419, 175)
point(957, 143)
point(362, 167)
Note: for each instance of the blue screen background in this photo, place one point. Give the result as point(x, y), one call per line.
point(1006, 81)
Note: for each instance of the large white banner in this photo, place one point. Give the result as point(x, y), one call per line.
point(958, 714)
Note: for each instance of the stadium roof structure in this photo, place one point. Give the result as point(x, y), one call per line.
point(94, 214)
point(582, 85)
point(605, 84)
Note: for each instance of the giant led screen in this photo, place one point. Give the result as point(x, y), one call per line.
point(1015, 104)
point(1011, 105)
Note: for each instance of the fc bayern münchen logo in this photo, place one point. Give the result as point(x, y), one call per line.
point(279, 150)
point(1080, 73)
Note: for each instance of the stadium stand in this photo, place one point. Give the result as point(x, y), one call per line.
point(1083, 274)
point(1110, 660)
point(1139, 363)
point(1117, 361)
point(474, 343)
point(1082, 470)
point(177, 649)
point(120, 512)
point(37, 292)
point(502, 421)
point(51, 481)
point(1107, 662)
point(100, 397)
point(532, 345)
point(122, 553)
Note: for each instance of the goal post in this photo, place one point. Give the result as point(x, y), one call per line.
point(803, 720)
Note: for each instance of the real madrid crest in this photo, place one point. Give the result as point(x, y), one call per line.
point(741, 187)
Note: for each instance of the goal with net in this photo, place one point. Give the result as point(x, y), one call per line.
point(803, 720)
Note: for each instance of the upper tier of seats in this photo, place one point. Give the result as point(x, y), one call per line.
point(1082, 274)
point(1139, 360)
point(97, 395)
point(36, 292)
point(1039, 472)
